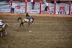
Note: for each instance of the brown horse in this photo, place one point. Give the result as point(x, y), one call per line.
point(24, 20)
point(4, 28)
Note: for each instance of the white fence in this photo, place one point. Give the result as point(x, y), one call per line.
point(5, 7)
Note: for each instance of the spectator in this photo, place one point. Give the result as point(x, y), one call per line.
point(33, 2)
point(13, 7)
point(46, 8)
point(1, 23)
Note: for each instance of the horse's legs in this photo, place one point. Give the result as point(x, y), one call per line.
point(1, 34)
point(28, 24)
point(22, 23)
point(5, 33)
point(31, 22)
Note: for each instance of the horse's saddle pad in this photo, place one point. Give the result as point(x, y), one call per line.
point(27, 20)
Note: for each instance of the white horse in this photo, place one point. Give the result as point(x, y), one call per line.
point(24, 20)
point(4, 28)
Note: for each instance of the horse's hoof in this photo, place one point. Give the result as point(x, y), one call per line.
point(6, 33)
point(30, 31)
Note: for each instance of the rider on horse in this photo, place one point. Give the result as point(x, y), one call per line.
point(1, 23)
point(28, 16)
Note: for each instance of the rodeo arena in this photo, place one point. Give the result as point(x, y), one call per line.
point(35, 23)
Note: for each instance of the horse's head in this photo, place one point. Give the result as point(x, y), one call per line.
point(18, 18)
point(5, 25)
point(33, 19)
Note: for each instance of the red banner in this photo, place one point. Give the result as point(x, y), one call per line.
point(18, 6)
point(62, 8)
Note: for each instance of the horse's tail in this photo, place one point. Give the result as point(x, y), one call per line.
point(19, 18)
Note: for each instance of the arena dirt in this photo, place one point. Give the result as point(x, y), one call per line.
point(46, 32)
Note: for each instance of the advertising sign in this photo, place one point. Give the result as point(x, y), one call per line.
point(4, 10)
point(21, 11)
point(47, 12)
point(62, 8)
point(34, 11)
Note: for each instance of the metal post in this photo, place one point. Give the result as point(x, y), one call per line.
point(54, 6)
point(25, 6)
point(40, 5)
point(11, 5)
point(69, 7)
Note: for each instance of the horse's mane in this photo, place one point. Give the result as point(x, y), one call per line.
point(19, 18)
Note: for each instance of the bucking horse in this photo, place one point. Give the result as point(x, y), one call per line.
point(24, 20)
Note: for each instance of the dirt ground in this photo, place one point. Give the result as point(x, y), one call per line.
point(45, 32)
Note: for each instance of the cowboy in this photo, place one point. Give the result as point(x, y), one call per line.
point(46, 8)
point(13, 7)
point(33, 3)
point(1, 23)
point(28, 16)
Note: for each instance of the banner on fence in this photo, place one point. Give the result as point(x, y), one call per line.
point(4, 10)
point(62, 8)
point(34, 11)
point(47, 12)
point(18, 10)
point(18, 6)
